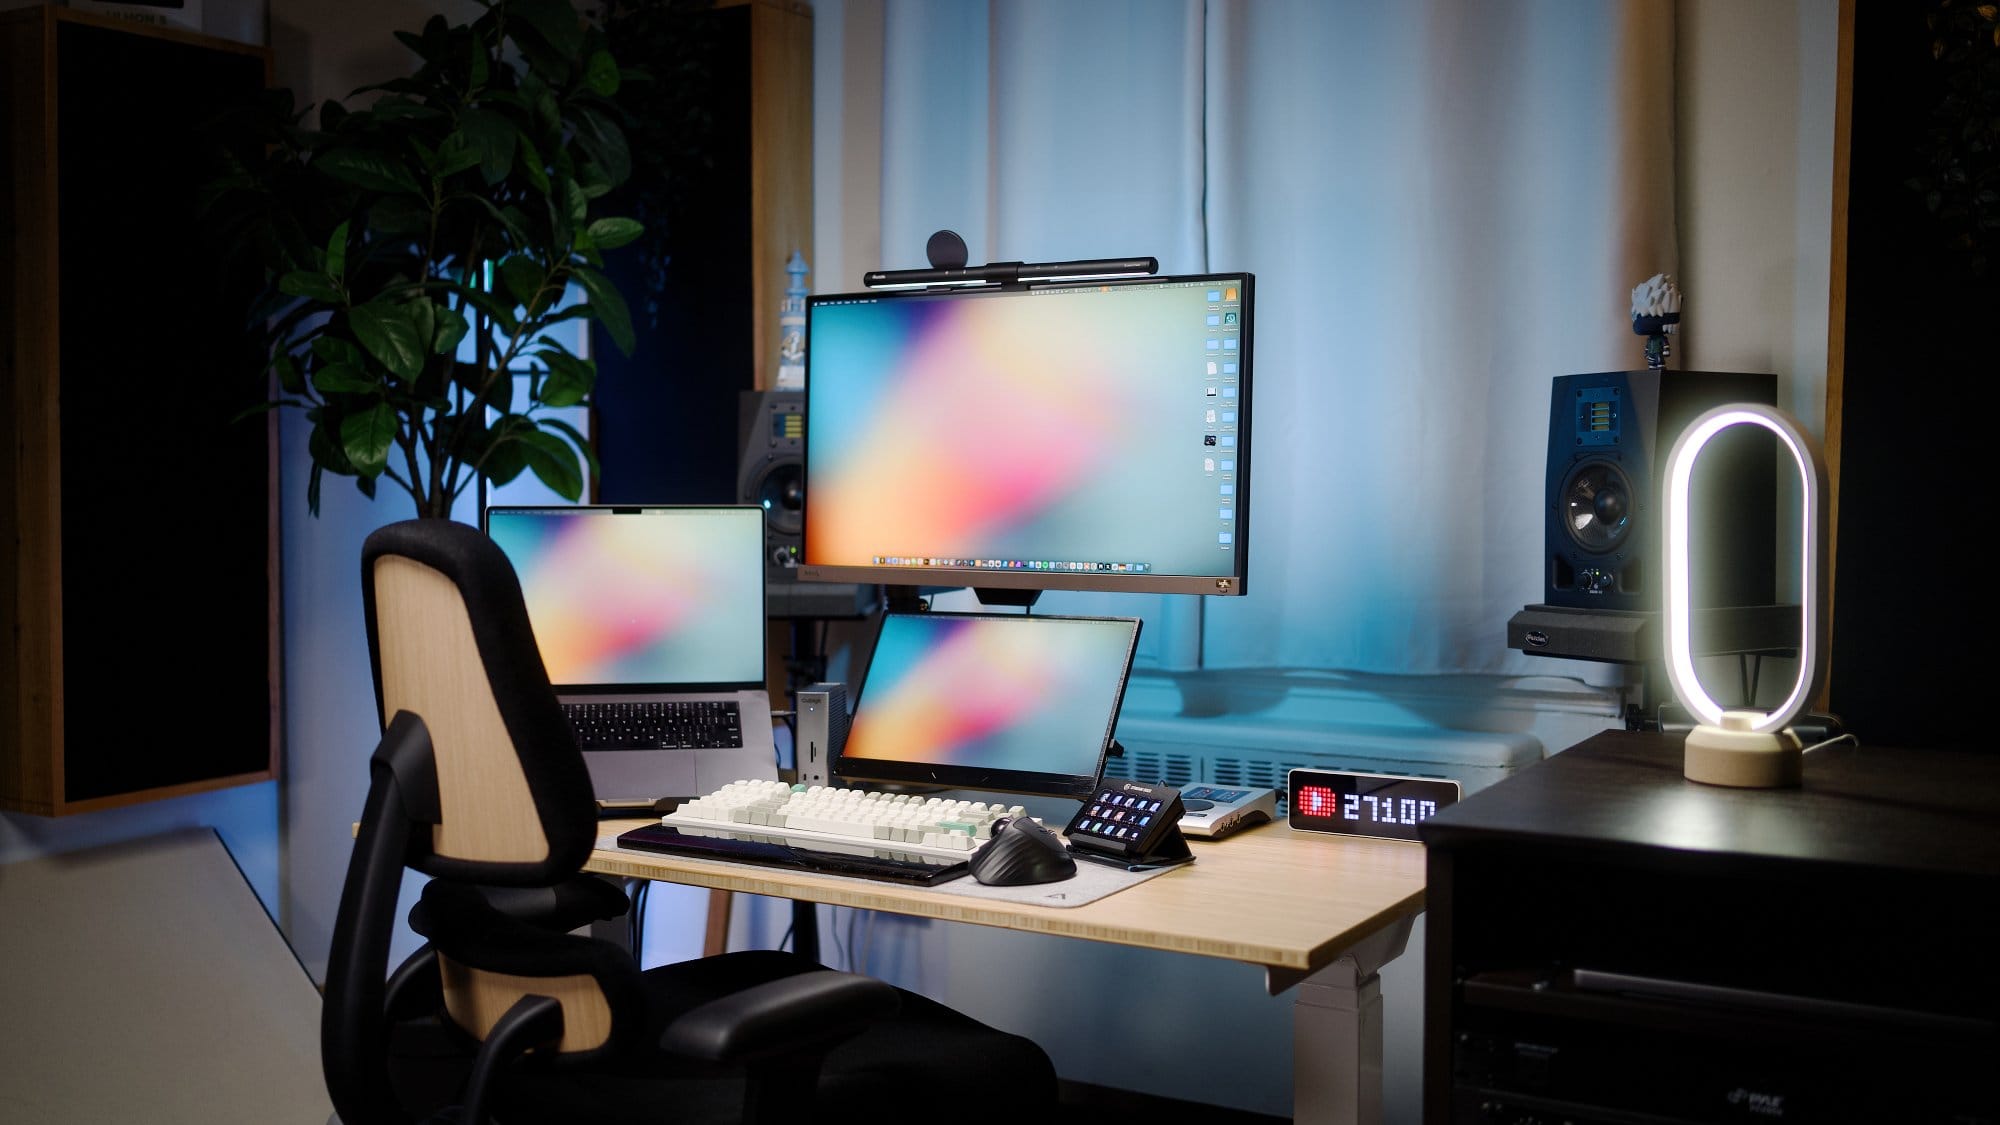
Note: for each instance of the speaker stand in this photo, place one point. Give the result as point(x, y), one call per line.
point(1632, 637)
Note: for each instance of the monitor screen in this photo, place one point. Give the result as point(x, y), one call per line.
point(1059, 436)
point(651, 596)
point(1010, 703)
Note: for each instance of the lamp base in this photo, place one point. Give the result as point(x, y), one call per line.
point(1735, 755)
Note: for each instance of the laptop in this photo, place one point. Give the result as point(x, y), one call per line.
point(650, 620)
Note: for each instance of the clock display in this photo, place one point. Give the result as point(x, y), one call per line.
point(1365, 804)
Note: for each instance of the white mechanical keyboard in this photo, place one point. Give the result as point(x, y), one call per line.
point(898, 822)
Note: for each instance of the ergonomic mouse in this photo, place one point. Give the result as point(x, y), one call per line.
point(1022, 851)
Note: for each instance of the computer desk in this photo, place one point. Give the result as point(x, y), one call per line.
point(1321, 914)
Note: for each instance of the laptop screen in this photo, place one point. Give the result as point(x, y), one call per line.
point(1002, 702)
point(641, 597)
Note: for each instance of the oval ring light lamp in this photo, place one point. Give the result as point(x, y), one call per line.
point(1744, 748)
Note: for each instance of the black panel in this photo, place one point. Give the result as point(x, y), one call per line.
point(1916, 429)
point(164, 498)
point(664, 413)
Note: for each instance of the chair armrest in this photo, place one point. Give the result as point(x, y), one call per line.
point(571, 904)
point(781, 1016)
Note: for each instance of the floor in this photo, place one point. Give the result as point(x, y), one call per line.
point(1093, 1105)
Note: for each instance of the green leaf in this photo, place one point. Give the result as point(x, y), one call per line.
point(569, 381)
point(427, 157)
point(365, 438)
point(333, 349)
point(422, 315)
point(500, 461)
point(390, 337)
point(543, 107)
point(532, 165)
point(455, 154)
point(600, 73)
point(610, 234)
point(609, 307)
point(311, 285)
point(499, 311)
point(521, 277)
point(482, 67)
point(399, 108)
point(576, 205)
point(506, 217)
point(492, 136)
point(553, 461)
point(555, 20)
point(365, 169)
point(603, 142)
point(500, 395)
point(289, 378)
point(576, 439)
point(336, 252)
point(451, 328)
point(344, 378)
point(400, 214)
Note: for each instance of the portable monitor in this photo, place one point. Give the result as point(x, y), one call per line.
point(1002, 702)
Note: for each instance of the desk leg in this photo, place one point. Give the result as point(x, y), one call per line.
point(715, 938)
point(1337, 1034)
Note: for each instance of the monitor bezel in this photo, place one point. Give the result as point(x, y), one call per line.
point(1029, 783)
point(1234, 584)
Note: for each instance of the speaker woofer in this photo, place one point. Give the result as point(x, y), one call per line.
point(1596, 503)
point(782, 492)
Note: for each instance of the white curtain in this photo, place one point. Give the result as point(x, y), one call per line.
point(1446, 204)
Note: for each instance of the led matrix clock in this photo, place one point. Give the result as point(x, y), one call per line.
point(1384, 806)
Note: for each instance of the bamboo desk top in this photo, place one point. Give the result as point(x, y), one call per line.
point(1271, 896)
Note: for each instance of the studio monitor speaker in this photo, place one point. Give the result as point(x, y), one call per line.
point(1609, 435)
point(772, 472)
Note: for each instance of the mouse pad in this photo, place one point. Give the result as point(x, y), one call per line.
point(1093, 881)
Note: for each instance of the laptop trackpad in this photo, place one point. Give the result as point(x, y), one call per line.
point(641, 774)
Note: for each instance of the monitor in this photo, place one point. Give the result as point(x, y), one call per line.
point(998, 702)
point(1053, 436)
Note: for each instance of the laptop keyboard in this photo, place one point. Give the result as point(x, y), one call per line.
point(659, 725)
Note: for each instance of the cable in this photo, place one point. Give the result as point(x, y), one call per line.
point(636, 918)
point(1834, 741)
point(833, 931)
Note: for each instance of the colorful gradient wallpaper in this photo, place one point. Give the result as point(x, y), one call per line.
point(1078, 425)
point(1014, 692)
point(641, 596)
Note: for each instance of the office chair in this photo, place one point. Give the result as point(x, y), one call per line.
point(478, 783)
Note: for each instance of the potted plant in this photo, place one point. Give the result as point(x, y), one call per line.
point(419, 250)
